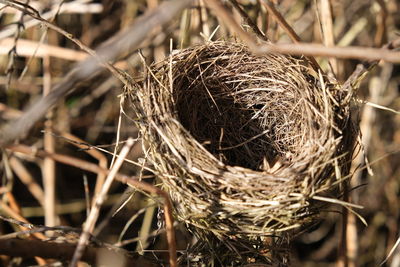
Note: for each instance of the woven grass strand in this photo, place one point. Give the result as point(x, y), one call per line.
point(242, 143)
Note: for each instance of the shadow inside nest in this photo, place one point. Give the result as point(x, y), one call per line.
point(241, 110)
point(224, 126)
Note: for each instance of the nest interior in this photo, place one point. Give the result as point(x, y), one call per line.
point(242, 142)
point(245, 110)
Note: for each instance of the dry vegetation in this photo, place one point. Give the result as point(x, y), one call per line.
point(63, 175)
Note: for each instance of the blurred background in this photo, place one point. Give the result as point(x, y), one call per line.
point(33, 58)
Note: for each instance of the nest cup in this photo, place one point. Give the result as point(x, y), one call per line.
point(244, 144)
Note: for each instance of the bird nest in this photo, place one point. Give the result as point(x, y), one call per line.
point(245, 145)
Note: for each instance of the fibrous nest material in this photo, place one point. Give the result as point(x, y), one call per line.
point(244, 144)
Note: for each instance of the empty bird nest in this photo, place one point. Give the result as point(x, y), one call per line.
point(247, 146)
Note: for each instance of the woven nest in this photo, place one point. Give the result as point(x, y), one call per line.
point(244, 144)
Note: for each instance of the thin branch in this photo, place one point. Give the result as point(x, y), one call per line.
point(353, 52)
point(28, 48)
point(70, 7)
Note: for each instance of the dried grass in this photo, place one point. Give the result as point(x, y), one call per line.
point(243, 143)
